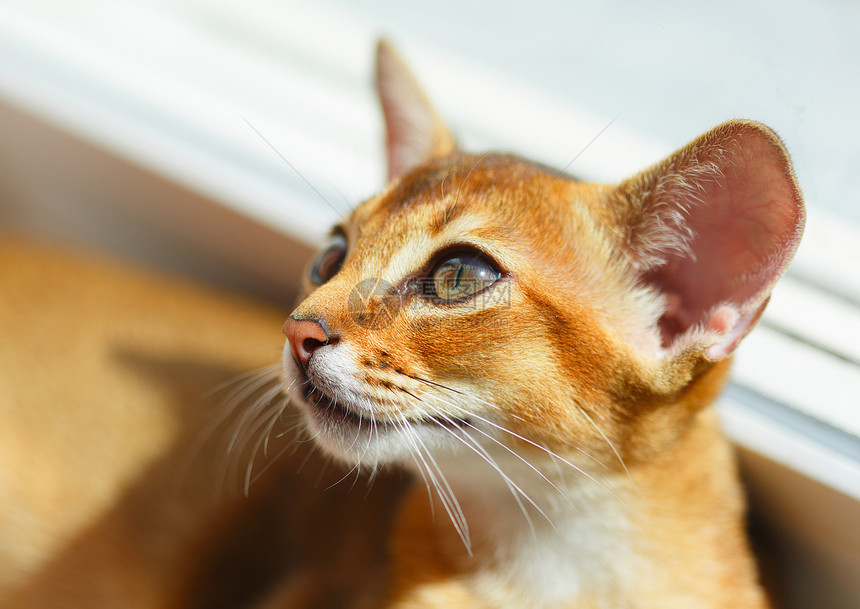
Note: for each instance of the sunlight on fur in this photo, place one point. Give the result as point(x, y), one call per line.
point(496, 390)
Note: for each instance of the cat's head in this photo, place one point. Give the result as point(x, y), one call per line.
point(485, 302)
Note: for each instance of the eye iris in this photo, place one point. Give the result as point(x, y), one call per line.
point(460, 277)
point(330, 264)
point(330, 261)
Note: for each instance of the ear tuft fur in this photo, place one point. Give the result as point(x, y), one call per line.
point(712, 228)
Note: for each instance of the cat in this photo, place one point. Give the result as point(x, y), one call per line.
point(501, 386)
point(544, 354)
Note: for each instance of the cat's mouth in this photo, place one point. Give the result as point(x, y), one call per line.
point(333, 410)
point(338, 412)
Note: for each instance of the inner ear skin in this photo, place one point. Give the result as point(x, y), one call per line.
point(734, 220)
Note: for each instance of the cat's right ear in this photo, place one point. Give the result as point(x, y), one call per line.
point(414, 133)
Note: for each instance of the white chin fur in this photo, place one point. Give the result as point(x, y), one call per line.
point(365, 444)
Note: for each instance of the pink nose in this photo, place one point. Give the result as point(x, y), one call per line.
point(305, 337)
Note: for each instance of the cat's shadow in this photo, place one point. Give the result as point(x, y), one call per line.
point(181, 533)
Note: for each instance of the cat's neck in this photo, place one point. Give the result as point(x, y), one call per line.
point(532, 495)
point(553, 533)
point(587, 541)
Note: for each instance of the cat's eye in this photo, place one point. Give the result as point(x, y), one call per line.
point(463, 275)
point(330, 261)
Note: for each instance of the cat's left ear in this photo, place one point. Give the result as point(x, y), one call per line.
point(414, 132)
point(713, 227)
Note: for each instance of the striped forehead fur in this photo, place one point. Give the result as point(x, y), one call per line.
point(432, 209)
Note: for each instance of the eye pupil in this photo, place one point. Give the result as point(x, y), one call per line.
point(458, 275)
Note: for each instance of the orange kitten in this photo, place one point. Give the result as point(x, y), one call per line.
point(539, 355)
point(544, 355)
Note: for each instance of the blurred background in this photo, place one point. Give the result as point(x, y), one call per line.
point(222, 138)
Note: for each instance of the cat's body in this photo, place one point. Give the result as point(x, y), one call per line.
point(542, 354)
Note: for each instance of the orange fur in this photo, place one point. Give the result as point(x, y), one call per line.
point(555, 424)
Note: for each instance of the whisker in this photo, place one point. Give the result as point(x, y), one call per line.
point(468, 175)
point(530, 466)
point(244, 386)
point(236, 380)
point(413, 449)
point(291, 166)
point(515, 489)
point(263, 440)
point(240, 396)
point(551, 454)
point(603, 435)
point(585, 148)
point(431, 383)
point(356, 468)
point(444, 490)
point(516, 418)
point(491, 461)
point(276, 416)
point(275, 459)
